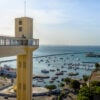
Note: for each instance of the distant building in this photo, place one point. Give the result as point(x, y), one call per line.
point(95, 76)
point(6, 70)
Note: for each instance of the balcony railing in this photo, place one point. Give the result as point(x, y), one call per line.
point(14, 41)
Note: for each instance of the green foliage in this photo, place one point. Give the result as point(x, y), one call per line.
point(95, 90)
point(81, 97)
point(85, 78)
point(98, 90)
point(97, 65)
point(61, 84)
point(84, 91)
point(84, 84)
point(75, 84)
point(60, 97)
point(51, 87)
point(67, 80)
point(94, 83)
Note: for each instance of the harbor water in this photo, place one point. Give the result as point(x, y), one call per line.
point(60, 59)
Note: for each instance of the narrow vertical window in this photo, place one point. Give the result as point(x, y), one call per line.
point(20, 29)
point(20, 22)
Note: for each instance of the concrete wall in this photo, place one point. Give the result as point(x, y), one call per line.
point(6, 51)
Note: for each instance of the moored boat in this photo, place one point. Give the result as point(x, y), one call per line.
point(59, 73)
point(73, 74)
point(44, 71)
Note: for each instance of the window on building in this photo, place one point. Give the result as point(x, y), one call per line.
point(19, 86)
point(19, 64)
point(24, 86)
point(20, 22)
point(20, 29)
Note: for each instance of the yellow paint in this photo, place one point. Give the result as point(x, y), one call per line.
point(24, 62)
point(24, 76)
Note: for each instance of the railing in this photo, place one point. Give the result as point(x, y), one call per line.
point(14, 41)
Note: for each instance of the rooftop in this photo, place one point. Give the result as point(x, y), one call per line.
point(95, 76)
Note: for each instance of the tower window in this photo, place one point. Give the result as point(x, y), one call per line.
point(20, 22)
point(20, 29)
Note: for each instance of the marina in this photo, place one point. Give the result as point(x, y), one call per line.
point(46, 68)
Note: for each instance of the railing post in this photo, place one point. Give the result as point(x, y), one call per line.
point(4, 41)
point(0, 42)
point(12, 41)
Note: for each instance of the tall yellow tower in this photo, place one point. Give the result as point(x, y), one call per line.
point(22, 45)
point(24, 29)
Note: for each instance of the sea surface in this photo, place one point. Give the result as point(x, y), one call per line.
point(60, 58)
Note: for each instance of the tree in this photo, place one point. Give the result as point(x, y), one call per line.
point(61, 96)
point(85, 78)
point(67, 80)
point(95, 83)
point(75, 84)
point(97, 65)
point(95, 90)
point(80, 97)
point(84, 91)
point(61, 84)
point(84, 84)
point(51, 87)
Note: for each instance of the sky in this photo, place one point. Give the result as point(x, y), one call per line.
point(56, 22)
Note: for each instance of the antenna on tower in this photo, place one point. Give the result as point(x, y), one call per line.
point(25, 8)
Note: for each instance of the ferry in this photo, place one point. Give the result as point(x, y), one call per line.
point(91, 54)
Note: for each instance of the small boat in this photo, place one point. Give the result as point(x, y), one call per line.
point(58, 69)
point(44, 71)
point(52, 70)
point(54, 78)
point(65, 64)
point(58, 81)
point(41, 60)
point(62, 66)
point(73, 74)
point(59, 73)
point(48, 64)
point(63, 71)
point(41, 77)
point(40, 80)
point(51, 81)
point(61, 58)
